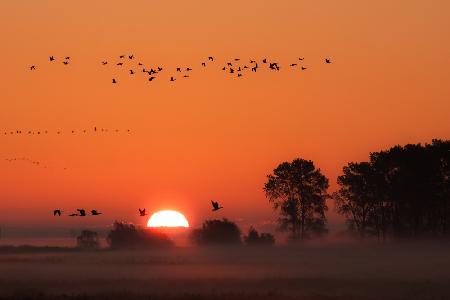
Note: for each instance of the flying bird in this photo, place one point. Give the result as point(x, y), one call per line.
point(119, 64)
point(151, 78)
point(73, 215)
point(65, 62)
point(51, 58)
point(104, 62)
point(203, 64)
point(293, 65)
point(131, 72)
point(121, 56)
point(327, 60)
point(142, 212)
point(178, 69)
point(301, 58)
point(211, 58)
point(82, 212)
point(95, 213)
point(304, 68)
point(131, 56)
point(57, 212)
point(67, 57)
point(172, 79)
point(114, 81)
point(33, 67)
point(215, 205)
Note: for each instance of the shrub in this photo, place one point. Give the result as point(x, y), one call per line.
point(128, 236)
point(253, 238)
point(88, 240)
point(217, 232)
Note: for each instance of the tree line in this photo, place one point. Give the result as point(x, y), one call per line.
point(402, 192)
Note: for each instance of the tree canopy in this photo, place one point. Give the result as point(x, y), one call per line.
point(401, 192)
point(298, 191)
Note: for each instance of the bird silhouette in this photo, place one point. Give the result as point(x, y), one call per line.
point(142, 212)
point(121, 56)
point(211, 58)
point(82, 212)
point(172, 79)
point(67, 58)
point(301, 58)
point(51, 58)
point(327, 60)
point(160, 69)
point(178, 69)
point(95, 212)
point(188, 69)
point(203, 64)
point(65, 62)
point(293, 65)
point(131, 72)
point(131, 56)
point(264, 60)
point(114, 80)
point(104, 62)
point(215, 205)
point(229, 64)
point(33, 67)
point(186, 76)
point(73, 215)
point(57, 212)
point(304, 68)
point(119, 64)
point(139, 64)
point(151, 78)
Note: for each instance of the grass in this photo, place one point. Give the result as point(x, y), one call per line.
point(402, 271)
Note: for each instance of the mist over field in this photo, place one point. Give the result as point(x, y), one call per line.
point(315, 271)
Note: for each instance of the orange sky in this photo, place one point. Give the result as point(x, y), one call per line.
point(211, 136)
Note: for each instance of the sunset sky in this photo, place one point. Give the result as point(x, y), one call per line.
point(211, 136)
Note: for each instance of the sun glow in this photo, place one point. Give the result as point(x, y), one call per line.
point(167, 218)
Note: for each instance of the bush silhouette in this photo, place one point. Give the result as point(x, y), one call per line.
point(128, 236)
point(253, 238)
point(217, 232)
point(88, 240)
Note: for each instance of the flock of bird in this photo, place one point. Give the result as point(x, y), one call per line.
point(60, 132)
point(81, 213)
point(235, 67)
point(142, 211)
point(28, 160)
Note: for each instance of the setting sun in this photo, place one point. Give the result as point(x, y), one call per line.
point(167, 218)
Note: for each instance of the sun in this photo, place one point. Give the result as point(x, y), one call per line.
point(167, 218)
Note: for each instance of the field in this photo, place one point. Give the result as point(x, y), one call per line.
point(371, 271)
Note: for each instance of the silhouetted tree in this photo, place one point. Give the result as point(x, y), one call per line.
point(253, 238)
point(298, 190)
point(217, 232)
point(403, 192)
point(128, 236)
point(88, 240)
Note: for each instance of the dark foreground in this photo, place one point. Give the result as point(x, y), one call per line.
point(407, 271)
